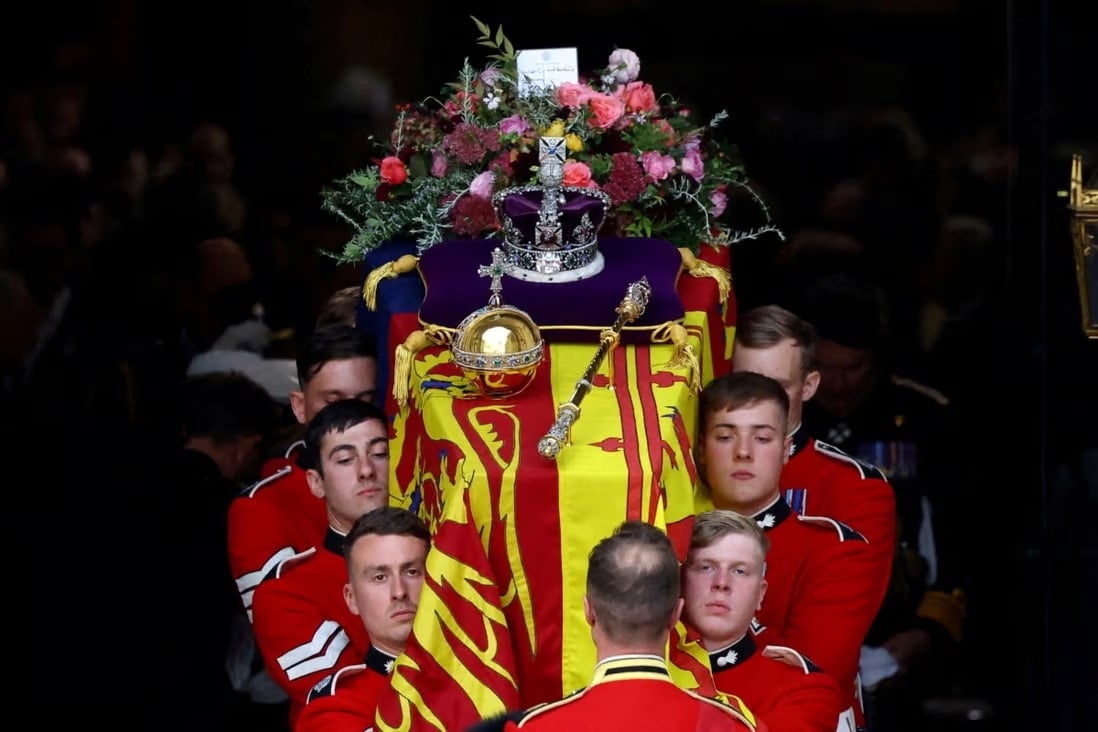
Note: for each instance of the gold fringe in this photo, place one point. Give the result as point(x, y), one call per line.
point(700, 268)
point(685, 356)
point(401, 265)
point(948, 609)
point(402, 365)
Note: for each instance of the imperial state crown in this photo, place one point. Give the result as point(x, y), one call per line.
point(550, 230)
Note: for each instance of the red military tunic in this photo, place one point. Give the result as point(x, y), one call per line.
point(824, 589)
point(782, 687)
point(347, 700)
point(302, 625)
point(822, 480)
point(270, 521)
point(634, 693)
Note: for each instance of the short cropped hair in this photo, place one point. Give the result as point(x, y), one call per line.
point(335, 342)
point(338, 416)
point(768, 325)
point(386, 521)
point(712, 526)
point(340, 307)
point(736, 390)
point(633, 583)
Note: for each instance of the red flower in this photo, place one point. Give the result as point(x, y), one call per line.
point(472, 216)
point(393, 171)
point(626, 179)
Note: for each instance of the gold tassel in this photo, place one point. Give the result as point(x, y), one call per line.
point(401, 265)
point(684, 356)
point(402, 365)
point(700, 268)
point(611, 339)
point(439, 335)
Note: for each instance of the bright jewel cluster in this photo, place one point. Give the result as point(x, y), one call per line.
point(667, 177)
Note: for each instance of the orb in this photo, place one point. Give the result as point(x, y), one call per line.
point(498, 348)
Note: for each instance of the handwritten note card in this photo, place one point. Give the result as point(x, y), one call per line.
point(545, 68)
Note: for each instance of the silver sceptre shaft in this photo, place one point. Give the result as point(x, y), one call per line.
point(631, 307)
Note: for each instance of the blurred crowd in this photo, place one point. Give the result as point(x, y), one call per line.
point(130, 263)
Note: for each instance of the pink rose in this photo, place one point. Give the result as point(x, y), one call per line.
point(438, 163)
point(571, 94)
point(578, 174)
point(481, 187)
point(638, 96)
point(719, 199)
point(606, 110)
point(514, 124)
point(393, 171)
point(692, 163)
point(657, 166)
point(491, 76)
point(624, 65)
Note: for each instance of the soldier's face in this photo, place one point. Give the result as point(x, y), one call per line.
point(723, 588)
point(386, 576)
point(349, 378)
point(354, 474)
point(781, 362)
point(742, 454)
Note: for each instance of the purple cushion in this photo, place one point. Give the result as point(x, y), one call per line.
point(564, 311)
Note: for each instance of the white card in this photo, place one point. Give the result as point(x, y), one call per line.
point(541, 69)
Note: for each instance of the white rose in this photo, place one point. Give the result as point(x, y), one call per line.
point(624, 65)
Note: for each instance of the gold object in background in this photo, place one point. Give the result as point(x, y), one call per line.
point(1083, 203)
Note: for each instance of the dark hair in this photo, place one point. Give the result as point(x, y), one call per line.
point(335, 342)
point(768, 325)
point(386, 521)
point(633, 583)
point(336, 417)
point(224, 406)
point(735, 390)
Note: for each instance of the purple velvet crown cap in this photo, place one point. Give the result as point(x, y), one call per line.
point(522, 207)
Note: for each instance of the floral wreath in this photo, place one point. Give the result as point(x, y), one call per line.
point(667, 176)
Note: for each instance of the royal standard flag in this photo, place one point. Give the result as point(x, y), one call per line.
point(501, 623)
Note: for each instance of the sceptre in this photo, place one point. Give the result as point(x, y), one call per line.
point(631, 307)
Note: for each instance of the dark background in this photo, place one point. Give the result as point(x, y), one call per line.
point(789, 74)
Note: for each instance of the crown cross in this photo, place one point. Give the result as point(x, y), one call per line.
point(496, 270)
point(551, 155)
point(551, 148)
